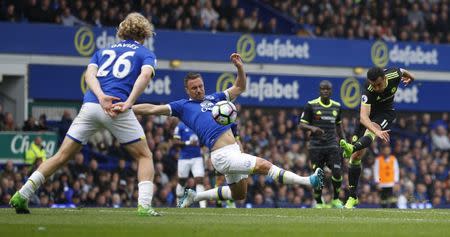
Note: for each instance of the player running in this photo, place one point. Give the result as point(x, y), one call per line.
point(226, 155)
point(322, 117)
point(118, 73)
point(376, 116)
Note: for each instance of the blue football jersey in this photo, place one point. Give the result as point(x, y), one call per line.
point(118, 68)
point(197, 115)
point(184, 133)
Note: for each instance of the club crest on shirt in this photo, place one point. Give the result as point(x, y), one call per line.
point(364, 99)
point(206, 105)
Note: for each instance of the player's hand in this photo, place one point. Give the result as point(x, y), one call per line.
point(121, 107)
point(106, 102)
point(383, 135)
point(406, 80)
point(236, 60)
point(317, 131)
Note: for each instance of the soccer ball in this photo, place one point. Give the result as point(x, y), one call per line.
point(224, 112)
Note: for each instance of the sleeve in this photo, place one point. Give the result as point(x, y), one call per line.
point(219, 96)
point(176, 132)
point(150, 61)
point(176, 108)
point(339, 116)
point(367, 98)
point(94, 59)
point(394, 74)
point(307, 114)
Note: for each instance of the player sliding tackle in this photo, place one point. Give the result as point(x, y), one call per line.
point(226, 156)
point(376, 116)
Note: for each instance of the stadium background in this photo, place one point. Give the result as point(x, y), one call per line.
point(288, 47)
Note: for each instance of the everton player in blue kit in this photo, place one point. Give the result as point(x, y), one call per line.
point(118, 73)
point(226, 155)
point(190, 159)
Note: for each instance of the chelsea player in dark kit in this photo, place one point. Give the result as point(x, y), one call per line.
point(322, 117)
point(376, 116)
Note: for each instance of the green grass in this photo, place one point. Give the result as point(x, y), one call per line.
point(226, 222)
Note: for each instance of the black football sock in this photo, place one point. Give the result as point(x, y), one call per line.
point(336, 186)
point(362, 143)
point(354, 172)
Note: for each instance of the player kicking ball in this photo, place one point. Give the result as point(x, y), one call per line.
point(376, 116)
point(226, 155)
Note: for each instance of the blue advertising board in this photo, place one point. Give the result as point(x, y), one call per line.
point(67, 83)
point(207, 46)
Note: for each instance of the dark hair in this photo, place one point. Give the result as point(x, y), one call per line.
point(374, 73)
point(191, 76)
point(325, 83)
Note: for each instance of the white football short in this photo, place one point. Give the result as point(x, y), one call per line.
point(125, 127)
point(194, 165)
point(231, 162)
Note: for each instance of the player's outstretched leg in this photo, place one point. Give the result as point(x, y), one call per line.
point(287, 177)
point(19, 200)
point(236, 166)
point(362, 143)
point(190, 196)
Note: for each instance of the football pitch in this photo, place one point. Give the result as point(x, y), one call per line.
point(215, 222)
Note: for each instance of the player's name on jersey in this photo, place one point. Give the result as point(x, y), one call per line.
point(132, 46)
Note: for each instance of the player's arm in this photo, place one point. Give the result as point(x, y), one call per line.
point(305, 121)
point(241, 80)
point(94, 85)
point(365, 120)
point(141, 83)
point(407, 77)
point(151, 109)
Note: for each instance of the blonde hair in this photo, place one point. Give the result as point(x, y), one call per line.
point(135, 27)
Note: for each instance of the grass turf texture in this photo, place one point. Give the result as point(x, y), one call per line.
point(226, 222)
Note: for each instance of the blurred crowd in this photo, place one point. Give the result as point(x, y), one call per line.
point(211, 15)
point(396, 20)
point(104, 175)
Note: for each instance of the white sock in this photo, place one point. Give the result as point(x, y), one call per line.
point(213, 194)
point(33, 183)
point(179, 191)
point(145, 193)
point(199, 188)
point(287, 177)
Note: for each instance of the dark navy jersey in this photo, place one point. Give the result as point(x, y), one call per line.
point(327, 118)
point(385, 100)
